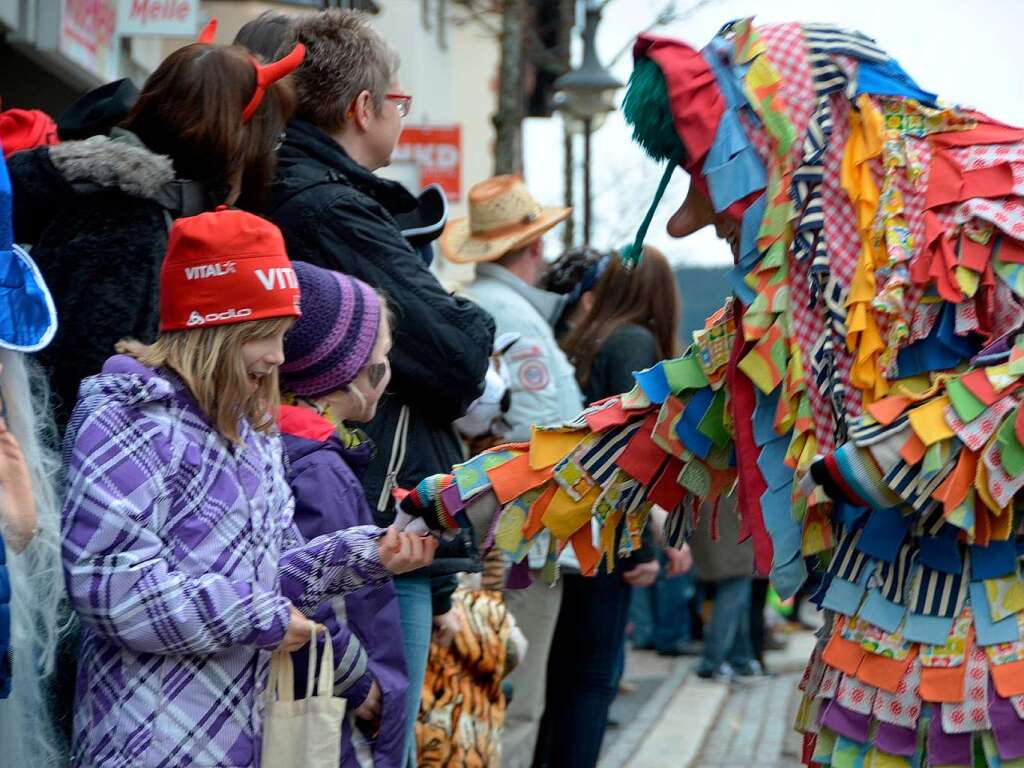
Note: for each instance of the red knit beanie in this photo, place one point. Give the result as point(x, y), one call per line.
point(225, 267)
point(22, 129)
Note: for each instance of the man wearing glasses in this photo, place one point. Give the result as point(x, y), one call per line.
point(335, 213)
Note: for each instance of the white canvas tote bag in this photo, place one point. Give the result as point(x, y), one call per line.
point(304, 733)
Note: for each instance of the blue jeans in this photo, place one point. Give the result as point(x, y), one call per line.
point(728, 636)
point(583, 670)
point(660, 614)
point(417, 615)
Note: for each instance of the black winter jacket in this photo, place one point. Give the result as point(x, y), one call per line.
point(95, 213)
point(627, 349)
point(338, 215)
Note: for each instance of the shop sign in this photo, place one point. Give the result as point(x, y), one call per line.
point(88, 35)
point(437, 152)
point(154, 18)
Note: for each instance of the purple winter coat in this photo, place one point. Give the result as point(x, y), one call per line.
point(181, 557)
point(325, 477)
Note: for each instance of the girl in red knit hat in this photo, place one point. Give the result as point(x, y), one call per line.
point(180, 551)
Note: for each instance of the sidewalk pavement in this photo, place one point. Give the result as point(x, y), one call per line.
point(688, 722)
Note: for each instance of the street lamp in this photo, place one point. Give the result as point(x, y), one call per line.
point(587, 94)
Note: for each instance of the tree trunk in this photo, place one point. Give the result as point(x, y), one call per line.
point(508, 120)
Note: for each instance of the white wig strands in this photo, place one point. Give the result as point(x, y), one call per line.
point(29, 737)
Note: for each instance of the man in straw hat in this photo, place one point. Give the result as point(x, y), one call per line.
point(502, 236)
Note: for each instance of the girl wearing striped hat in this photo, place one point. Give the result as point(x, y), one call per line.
point(335, 371)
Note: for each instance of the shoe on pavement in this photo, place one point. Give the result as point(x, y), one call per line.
point(753, 671)
point(724, 674)
point(689, 648)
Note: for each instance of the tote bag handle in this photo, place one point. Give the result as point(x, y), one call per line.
point(325, 688)
point(305, 733)
point(281, 684)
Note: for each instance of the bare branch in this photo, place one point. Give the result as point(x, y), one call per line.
point(667, 15)
point(480, 12)
point(542, 57)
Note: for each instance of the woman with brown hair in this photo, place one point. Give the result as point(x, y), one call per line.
point(618, 320)
point(97, 211)
point(627, 322)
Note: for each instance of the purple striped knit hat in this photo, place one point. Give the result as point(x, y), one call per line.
point(332, 341)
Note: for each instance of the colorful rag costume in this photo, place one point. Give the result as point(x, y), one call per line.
point(878, 230)
point(880, 250)
point(861, 390)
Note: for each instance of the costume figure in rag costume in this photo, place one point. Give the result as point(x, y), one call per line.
point(873, 371)
point(860, 393)
point(32, 604)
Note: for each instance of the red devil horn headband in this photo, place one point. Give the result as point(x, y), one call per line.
point(209, 31)
point(268, 74)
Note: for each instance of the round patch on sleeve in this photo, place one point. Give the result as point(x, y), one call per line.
point(533, 375)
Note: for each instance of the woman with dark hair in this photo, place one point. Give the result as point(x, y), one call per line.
point(267, 34)
point(628, 323)
point(619, 320)
point(97, 211)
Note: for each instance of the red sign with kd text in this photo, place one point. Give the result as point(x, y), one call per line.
point(437, 151)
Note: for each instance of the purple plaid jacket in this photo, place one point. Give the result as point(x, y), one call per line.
point(181, 558)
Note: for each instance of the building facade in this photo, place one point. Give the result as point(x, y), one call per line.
point(52, 51)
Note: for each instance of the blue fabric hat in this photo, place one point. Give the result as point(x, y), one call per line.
point(28, 317)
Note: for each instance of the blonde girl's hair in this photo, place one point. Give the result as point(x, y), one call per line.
point(209, 362)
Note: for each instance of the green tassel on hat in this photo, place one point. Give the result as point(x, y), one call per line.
point(646, 108)
point(633, 252)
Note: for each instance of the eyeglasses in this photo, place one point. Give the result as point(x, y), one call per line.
point(403, 101)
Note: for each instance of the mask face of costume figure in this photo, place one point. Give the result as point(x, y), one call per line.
point(696, 213)
point(483, 423)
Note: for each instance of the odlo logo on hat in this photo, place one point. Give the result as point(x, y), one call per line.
point(217, 317)
point(225, 267)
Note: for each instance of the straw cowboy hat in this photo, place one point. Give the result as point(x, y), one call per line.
point(503, 217)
